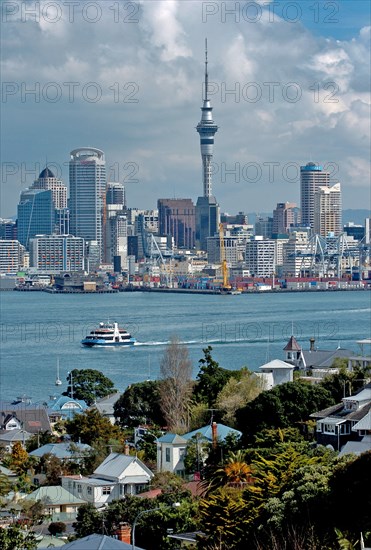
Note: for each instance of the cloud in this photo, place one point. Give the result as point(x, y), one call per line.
point(279, 92)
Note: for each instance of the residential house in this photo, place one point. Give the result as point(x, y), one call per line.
point(64, 451)
point(105, 406)
point(56, 501)
point(117, 476)
point(62, 407)
point(21, 419)
point(363, 429)
point(276, 372)
point(171, 448)
point(334, 424)
point(313, 358)
point(99, 542)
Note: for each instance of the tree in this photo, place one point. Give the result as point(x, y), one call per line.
point(175, 386)
point(4, 485)
point(211, 379)
point(13, 538)
point(91, 426)
point(88, 521)
point(57, 528)
point(237, 393)
point(88, 385)
point(281, 407)
point(19, 458)
point(139, 404)
point(51, 466)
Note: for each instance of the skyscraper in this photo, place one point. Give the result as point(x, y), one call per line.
point(48, 181)
point(114, 207)
point(176, 217)
point(327, 210)
point(312, 176)
point(207, 209)
point(283, 217)
point(87, 193)
point(36, 214)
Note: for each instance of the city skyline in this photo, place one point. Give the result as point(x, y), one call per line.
point(145, 125)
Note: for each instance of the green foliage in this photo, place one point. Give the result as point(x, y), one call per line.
point(139, 404)
point(91, 426)
point(40, 439)
point(51, 466)
point(14, 538)
point(88, 385)
point(88, 521)
point(5, 485)
point(344, 383)
point(196, 454)
point(147, 444)
point(236, 393)
point(57, 528)
point(211, 379)
point(281, 407)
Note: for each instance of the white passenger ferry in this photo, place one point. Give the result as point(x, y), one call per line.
point(108, 334)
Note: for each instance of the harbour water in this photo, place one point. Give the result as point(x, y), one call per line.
point(38, 328)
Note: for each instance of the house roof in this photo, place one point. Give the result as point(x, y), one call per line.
point(63, 403)
point(172, 438)
point(34, 418)
point(292, 345)
point(62, 450)
point(364, 423)
point(277, 364)
point(55, 495)
point(105, 405)
point(15, 435)
point(328, 411)
point(98, 542)
point(7, 472)
point(357, 447)
point(206, 432)
point(324, 358)
point(115, 465)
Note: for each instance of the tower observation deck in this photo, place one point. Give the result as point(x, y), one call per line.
point(207, 129)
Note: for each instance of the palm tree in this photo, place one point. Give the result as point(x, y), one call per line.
point(234, 473)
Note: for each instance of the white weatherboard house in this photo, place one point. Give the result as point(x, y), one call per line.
point(117, 476)
point(276, 372)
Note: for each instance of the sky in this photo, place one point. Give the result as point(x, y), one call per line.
point(289, 83)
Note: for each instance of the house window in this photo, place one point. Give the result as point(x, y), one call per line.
point(79, 488)
point(106, 490)
point(89, 490)
point(167, 454)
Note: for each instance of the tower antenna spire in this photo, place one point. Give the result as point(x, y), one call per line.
point(206, 75)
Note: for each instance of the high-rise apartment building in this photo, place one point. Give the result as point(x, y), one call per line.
point(8, 229)
point(48, 181)
point(207, 208)
point(264, 226)
point(312, 176)
point(296, 254)
point(176, 217)
point(87, 193)
point(234, 249)
point(11, 253)
point(55, 253)
point(114, 207)
point(327, 210)
point(36, 214)
point(284, 216)
point(260, 257)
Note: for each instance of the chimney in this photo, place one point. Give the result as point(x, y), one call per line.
point(124, 533)
point(311, 340)
point(126, 450)
point(214, 431)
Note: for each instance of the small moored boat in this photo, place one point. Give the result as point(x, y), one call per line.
point(108, 334)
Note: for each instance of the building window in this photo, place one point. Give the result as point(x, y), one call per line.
point(106, 490)
point(167, 454)
point(89, 490)
point(79, 488)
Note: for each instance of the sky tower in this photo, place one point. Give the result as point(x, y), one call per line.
point(207, 209)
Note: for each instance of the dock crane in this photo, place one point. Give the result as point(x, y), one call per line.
point(226, 287)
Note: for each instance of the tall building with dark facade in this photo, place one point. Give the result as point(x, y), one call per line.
point(207, 208)
point(36, 214)
point(176, 217)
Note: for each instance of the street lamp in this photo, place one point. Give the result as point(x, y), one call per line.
point(174, 505)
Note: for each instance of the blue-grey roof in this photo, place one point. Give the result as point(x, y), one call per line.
point(323, 358)
point(115, 465)
point(61, 401)
point(206, 432)
point(62, 450)
point(98, 542)
point(171, 438)
point(14, 435)
point(55, 496)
